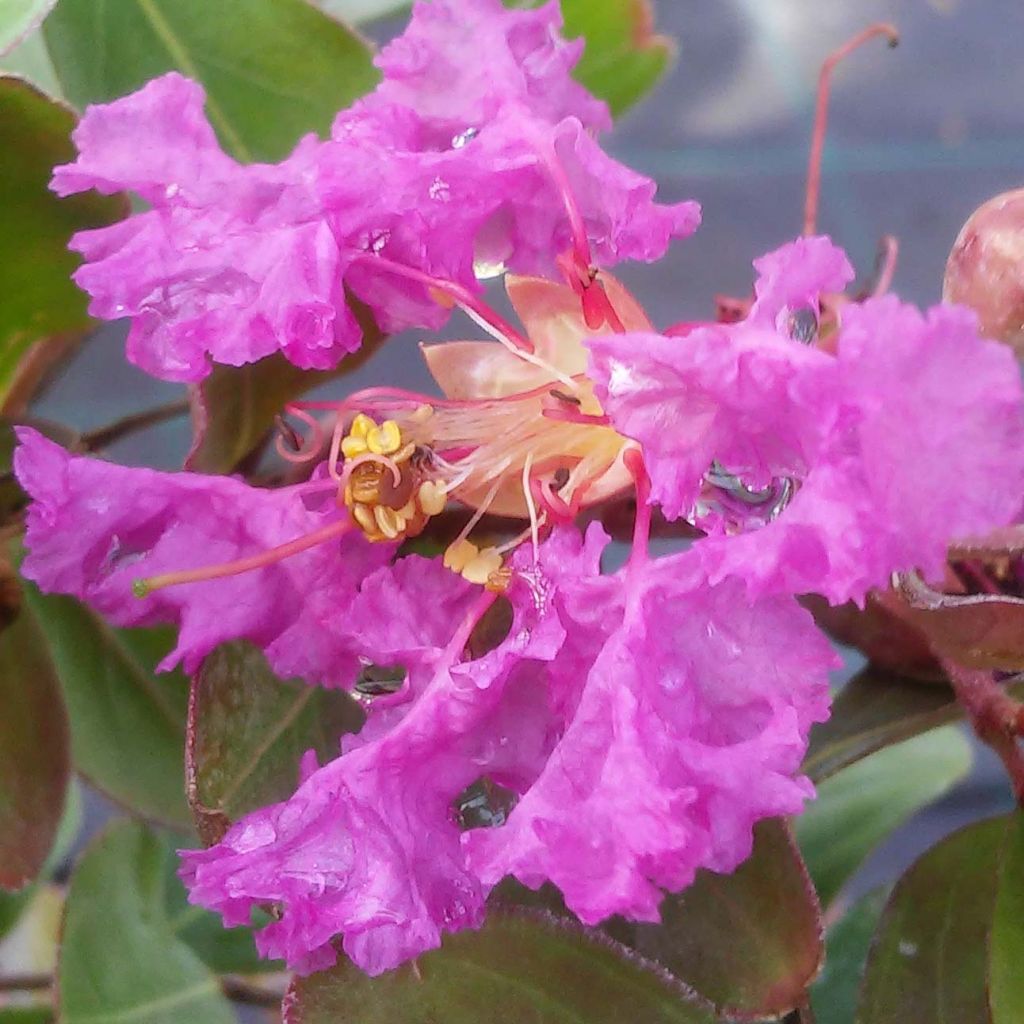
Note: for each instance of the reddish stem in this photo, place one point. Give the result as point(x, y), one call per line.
point(997, 718)
point(821, 115)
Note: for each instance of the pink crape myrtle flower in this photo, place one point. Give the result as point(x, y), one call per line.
point(638, 723)
point(638, 753)
point(465, 155)
point(909, 434)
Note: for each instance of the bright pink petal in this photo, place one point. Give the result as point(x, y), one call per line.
point(94, 527)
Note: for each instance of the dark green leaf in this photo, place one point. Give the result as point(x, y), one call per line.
point(127, 725)
point(40, 301)
point(119, 959)
point(26, 1015)
point(519, 968)
point(750, 941)
point(624, 57)
point(858, 808)
point(834, 994)
point(928, 963)
point(34, 753)
point(18, 18)
point(247, 730)
point(272, 70)
point(1006, 946)
point(874, 710)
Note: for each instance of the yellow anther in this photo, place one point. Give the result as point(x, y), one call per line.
point(364, 516)
point(482, 567)
point(385, 439)
point(460, 554)
point(389, 521)
point(352, 446)
point(408, 510)
point(422, 413)
point(361, 426)
point(499, 580)
point(432, 497)
point(404, 455)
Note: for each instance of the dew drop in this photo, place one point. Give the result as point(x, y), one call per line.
point(440, 190)
point(256, 834)
point(464, 138)
point(802, 325)
point(172, 190)
point(378, 681)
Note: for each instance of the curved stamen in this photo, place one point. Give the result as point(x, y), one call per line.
point(361, 460)
point(462, 296)
point(531, 507)
point(301, 451)
point(143, 587)
point(821, 115)
point(479, 513)
point(642, 524)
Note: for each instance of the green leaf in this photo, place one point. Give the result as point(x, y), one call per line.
point(39, 298)
point(1006, 945)
point(247, 731)
point(834, 993)
point(272, 70)
point(928, 963)
point(34, 753)
point(750, 941)
point(519, 967)
point(26, 1015)
point(18, 18)
point(858, 808)
point(127, 725)
point(235, 406)
point(875, 709)
point(624, 57)
point(119, 958)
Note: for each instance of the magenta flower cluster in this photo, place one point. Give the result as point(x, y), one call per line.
point(639, 721)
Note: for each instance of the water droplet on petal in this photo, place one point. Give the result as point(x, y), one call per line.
point(378, 681)
point(802, 325)
point(255, 834)
point(464, 138)
point(440, 190)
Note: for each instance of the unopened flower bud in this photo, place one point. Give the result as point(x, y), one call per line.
point(985, 269)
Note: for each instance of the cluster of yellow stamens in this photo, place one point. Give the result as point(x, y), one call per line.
point(390, 495)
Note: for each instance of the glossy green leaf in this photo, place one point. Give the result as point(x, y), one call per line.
point(874, 710)
point(1006, 945)
point(751, 941)
point(834, 993)
point(119, 958)
point(247, 731)
point(624, 56)
point(127, 724)
point(856, 809)
point(34, 753)
point(18, 18)
point(519, 967)
point(39, 298)
point(929, 961)
point(272, 70)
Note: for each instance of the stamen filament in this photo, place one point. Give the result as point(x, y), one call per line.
point(478, 514)
point(821, 114)
point(144, 587)
point(465, 298)
point(531, 507)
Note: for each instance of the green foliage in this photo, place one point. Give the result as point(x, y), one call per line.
point(858, 808)
point(120, 959)
point(930, 959)
point(39, 298)
point(272, 70)
point(127, 725)
point(1006, 940)
point(518, 967)
point(34, 753)
point(750, 941)
point(247, 730)
point(18, 18)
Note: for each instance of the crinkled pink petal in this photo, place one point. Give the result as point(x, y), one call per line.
point(156, 142)
point(460, 62)
point(94, 527)
point(369, 846)
point(929, 446)
point(795, 276)
point(690, 728)
point(758, 404)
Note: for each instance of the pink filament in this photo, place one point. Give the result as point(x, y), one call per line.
point(307, 451)
point(142, 587)
point(642, 524)
point(821, 115)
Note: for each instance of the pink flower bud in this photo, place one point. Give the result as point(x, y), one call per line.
point(985, 269)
